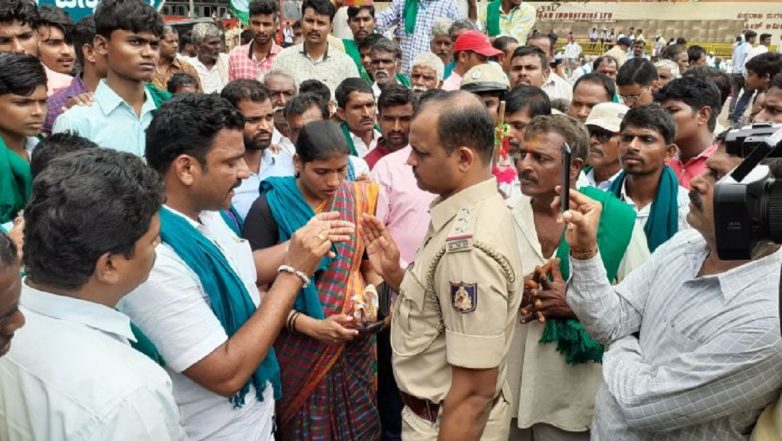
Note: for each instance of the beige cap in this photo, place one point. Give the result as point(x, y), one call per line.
point(607, 116)
point(487, 77)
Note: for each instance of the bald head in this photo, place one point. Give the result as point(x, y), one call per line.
point(462, 121)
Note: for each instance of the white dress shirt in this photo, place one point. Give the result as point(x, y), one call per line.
point(72, 375)
point(172, 309)
point(272, 164)
point(557, 87)
point(588, 180)
point(708, 353)
point(214, 79)
point(361, 147)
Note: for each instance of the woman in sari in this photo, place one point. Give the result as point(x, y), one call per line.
point(327, 365)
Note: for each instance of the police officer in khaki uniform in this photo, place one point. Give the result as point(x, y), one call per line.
point(452, 324)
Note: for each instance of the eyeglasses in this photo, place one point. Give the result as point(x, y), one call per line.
point(627, 99)
point(601, 135)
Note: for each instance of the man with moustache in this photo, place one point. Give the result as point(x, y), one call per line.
point(91, 230)
point(123, 105)
point(441, 43)
point(386, 63)
point(282, 87)
point(357, 109)
point(315, 58)
point(646, 142)
point(210, 63)
point(55, 40)
point(252, 100)
point(589, 90)
point(522, 104)
point(529, 67)
point(395, 110)
point(427, 73)
point(458, 303)
point(693, 341)
point(18, 19)
point(603, 165)
point(361, 21)
point(169, 64)
point(200, 306)
point(254, 59)
point(561, 369)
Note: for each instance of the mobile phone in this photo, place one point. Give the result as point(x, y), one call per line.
point(564, 194)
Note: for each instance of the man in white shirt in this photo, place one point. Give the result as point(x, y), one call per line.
point(693, 341)
point(356, 106)
point(282, 87)
point(529, 66)
point(210, 62)
point(72, 373)
point(199, 304)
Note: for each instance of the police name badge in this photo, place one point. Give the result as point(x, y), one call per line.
point(464, 296)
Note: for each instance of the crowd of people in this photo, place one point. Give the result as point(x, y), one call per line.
point(307, 237)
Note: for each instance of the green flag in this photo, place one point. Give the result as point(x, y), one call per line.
point(240, 9)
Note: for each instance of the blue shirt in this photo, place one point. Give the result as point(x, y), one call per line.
point(272, 164)
point(110, 122)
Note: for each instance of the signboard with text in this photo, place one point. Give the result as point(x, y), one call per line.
point(81, 8)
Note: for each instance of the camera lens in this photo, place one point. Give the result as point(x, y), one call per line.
point(772, 200)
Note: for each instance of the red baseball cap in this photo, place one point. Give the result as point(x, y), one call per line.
point(476, 42)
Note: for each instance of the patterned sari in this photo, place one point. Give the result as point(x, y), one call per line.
point(329, 390)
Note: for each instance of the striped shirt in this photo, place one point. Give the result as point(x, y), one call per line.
point(428, 11)
point(707, 358)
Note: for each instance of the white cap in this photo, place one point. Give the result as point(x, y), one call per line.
point(607, 116)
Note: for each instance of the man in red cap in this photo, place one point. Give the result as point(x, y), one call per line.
point(470, 49)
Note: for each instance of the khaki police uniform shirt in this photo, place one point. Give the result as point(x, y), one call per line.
point(545, 388)
point(459, 301)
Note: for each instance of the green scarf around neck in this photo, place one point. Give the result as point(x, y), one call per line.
point(411, 15)
point(493, 18)
point(291, 212)
point(351, 48)
point(663, 221)
point(159, 96)
point(228, 297)
point(16, 183)
point(346, 131)
point(613, 236)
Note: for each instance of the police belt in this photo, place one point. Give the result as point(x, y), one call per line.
point(427, 409)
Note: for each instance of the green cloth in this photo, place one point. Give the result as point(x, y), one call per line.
point(411, 14)
point(16, 183)
point(663, 220)
point(292, 212)
point(351, 48)
point(159, 96)
point(448, 69)
point(613, 236)
point(233, 219)
point(346, 131)
point(403, 79)
point(144, 345)
point(493, 18)
point(228, 297)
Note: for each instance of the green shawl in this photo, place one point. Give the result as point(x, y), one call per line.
point(159, 96)
point(16, 183)
point(613, 236)
point(493, 18)
point(663, 221)
point(228, 297)
point(351, 48)
point(291, 212)
point(411, 14)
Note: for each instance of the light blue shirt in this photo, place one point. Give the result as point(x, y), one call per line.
point(740, 57)
point(110, 122)
point(272, 164)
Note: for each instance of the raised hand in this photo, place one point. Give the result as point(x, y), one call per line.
point(582, 221)
point(382, 251)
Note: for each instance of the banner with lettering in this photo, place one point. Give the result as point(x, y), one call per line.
point(81, 8)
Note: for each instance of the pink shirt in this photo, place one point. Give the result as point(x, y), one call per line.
point(242, 63)
point(692, 168)
point(56, 81)
point(453, 82)
point(401, 205)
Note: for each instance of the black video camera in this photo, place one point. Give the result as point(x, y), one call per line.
point(748, 201)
